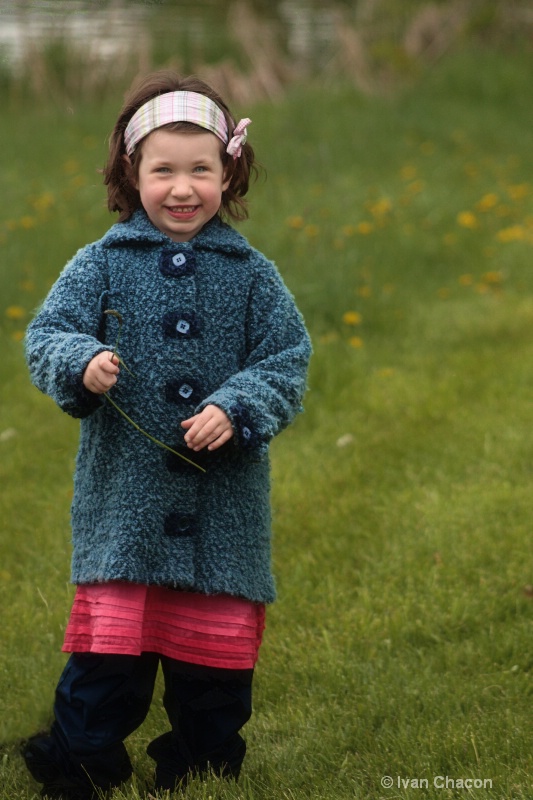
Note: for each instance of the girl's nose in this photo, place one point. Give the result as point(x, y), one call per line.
point(181, 186)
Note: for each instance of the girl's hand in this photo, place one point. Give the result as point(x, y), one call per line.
point(101, 373)
point(210, 428)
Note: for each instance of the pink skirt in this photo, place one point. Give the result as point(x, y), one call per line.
point(127, 618)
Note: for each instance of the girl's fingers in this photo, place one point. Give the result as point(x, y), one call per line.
point(204, 429)
point(224, 437)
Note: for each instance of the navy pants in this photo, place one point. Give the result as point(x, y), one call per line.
point(102, 699)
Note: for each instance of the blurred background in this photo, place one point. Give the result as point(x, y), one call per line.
point(252, 49)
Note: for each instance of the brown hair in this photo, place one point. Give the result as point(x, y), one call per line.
point(122, 196)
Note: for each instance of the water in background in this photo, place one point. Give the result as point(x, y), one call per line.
point(108, 32)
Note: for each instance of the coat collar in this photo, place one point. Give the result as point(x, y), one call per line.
point(138, 229)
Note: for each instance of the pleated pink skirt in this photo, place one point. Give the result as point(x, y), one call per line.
point(126, 618)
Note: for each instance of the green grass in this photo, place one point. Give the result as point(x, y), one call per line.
point(401, 641)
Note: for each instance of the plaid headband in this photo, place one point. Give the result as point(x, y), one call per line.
point(183, 107)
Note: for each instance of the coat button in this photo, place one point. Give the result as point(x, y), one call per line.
point(176, 265)
point(185, 391)
point(179, 260)
point(182, 326)
point(177, 524)
point(181, 323)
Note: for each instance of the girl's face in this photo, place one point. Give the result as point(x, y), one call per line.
point(180, 181)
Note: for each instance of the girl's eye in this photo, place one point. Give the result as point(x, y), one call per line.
point(200, 169)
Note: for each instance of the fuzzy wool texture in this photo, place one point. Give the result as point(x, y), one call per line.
point(208, 321)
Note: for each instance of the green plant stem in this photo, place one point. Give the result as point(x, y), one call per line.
point(152, 438)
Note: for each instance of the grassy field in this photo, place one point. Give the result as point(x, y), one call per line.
point(401, 643)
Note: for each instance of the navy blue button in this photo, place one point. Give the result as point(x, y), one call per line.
point(178, 524)
point(185, 391)
point(182, 388)
point(243, 422)
point(174, 265)
point(182, 326)
point(177, 324)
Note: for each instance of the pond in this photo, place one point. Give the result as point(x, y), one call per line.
point(189, 31)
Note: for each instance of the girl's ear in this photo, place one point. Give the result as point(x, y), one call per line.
point(226, 180)
point(130, 172)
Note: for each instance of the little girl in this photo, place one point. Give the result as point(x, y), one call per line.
point(183, 353)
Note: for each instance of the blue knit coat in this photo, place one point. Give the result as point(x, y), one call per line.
point(208, 321)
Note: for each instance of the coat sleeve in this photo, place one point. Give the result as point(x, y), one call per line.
point(266, 394)
point(63, 336)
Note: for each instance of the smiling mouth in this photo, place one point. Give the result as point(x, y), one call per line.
point(182, 209)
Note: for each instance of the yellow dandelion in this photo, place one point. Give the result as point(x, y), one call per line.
point(43, 201)
point(518, 191)
point(381, 207)
point(444, 293)
point(364, 291)
point(27, 286)
point(27, 222)
point(493, 278)
point(296, 222)
point(352, 318)
point(408, 172)
point(71, 166)
point(312, 231)
point(415, 187)
point(355, 341)
point(78, 181)
point(466, 280)
point(466, 219)
point(17, 336)
point(15, 312)
point(514, 233)
point(487, 202)
point(365, 228)
point(481, 288)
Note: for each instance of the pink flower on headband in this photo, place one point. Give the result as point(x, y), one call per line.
point(240, 134)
